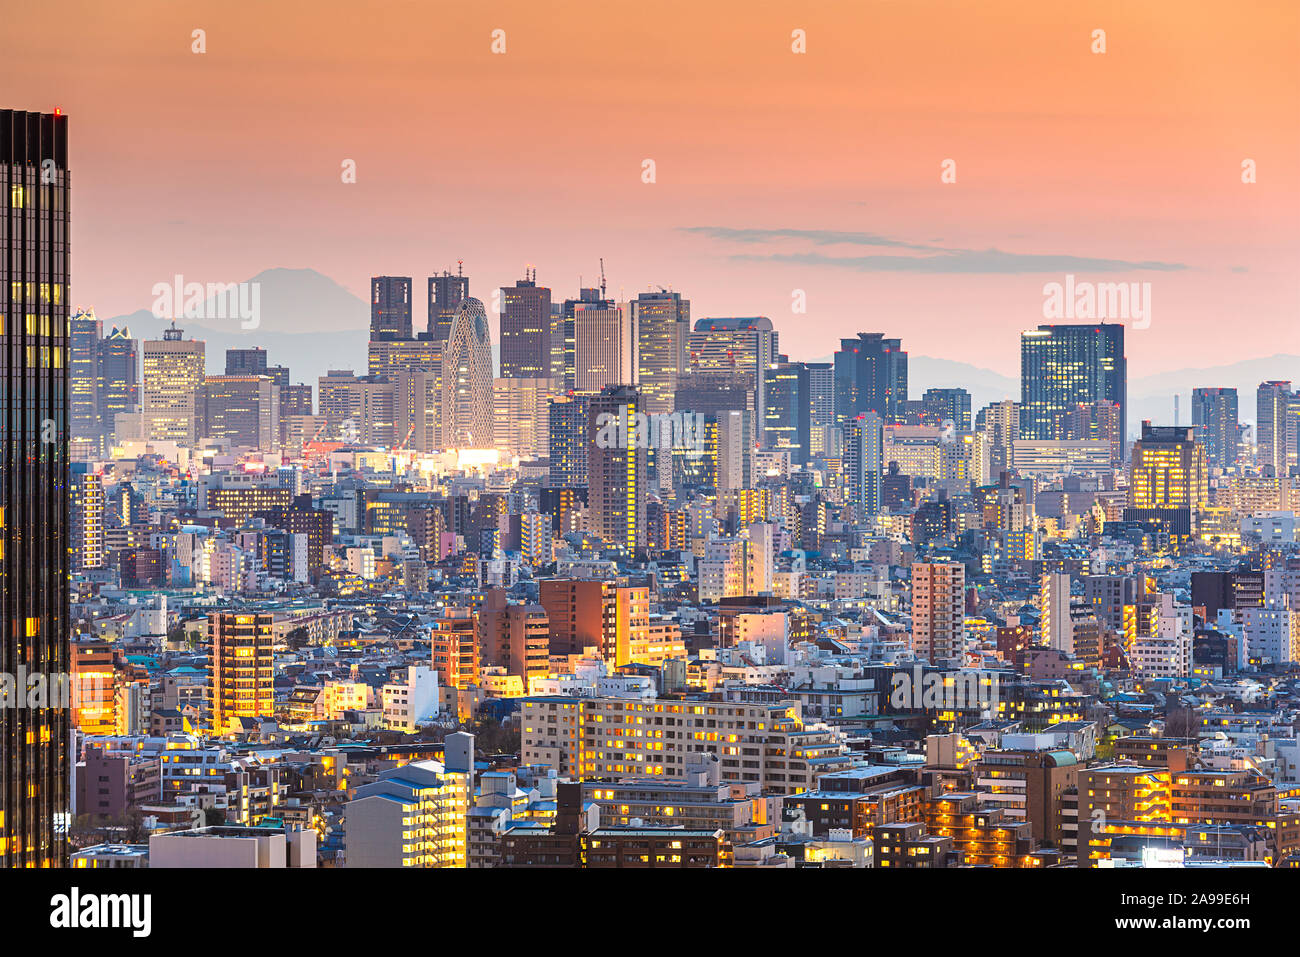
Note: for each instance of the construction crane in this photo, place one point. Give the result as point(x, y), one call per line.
point(410, 432)
point(602, 277)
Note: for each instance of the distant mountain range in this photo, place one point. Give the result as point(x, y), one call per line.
point(312, 324)
point(307, 322)
point(1149, 397)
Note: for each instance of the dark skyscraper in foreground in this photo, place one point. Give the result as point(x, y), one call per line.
point(390, 307)
point(1064, 365)
point(34, 187)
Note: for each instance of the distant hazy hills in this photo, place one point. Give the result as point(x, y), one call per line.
point(1150, 397)
point(312, 324)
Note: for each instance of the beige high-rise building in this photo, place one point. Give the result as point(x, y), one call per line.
point(1000, 421)
point(603, 349)
point(414, 368)
point(336, 400)
point(938, 609)
point(661, 324)
point(417, 410)
point(243, 409)
point(387, 356)
point(173, 372)
point(1056, 624)
point(521, 412)
point(769, 744)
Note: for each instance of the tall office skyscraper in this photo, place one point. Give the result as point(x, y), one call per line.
point(246, 361)
point(567, 421)
point(173, 381)
point(864, 453)
point(738, 346)
point(119, 377)
point(616, 471)
point(1214, 416)
point(520, 411)
point(34, 480)
point(84, 335)
point(1168, 479)
point(870, 376)
point(951, 404)
point(1277, 426)
point(103, 382)
point(390, 307)
point(467, 379)
point(661, 325)
point(243, 409)
point(787, 418)
point(1064, 365)
point(445, 294)
point(525, 330)
point(821, 393)
point(602, 347)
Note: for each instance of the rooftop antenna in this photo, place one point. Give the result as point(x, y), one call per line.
point(459, 264)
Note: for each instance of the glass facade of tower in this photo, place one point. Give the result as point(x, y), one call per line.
point(787, 418)
point(34, 745)
point(870, 376)
point(1064, 365)
point(660, 328)
point(1214, 415)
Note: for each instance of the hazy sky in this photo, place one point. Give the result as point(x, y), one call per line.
point(775, 171)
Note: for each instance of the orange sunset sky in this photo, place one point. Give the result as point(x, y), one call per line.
point(775, 171)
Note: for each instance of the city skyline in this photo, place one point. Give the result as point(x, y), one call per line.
point(761, 189)
point(484, 567)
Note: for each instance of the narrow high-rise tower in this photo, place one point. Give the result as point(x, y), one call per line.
point(390, 307)
point(34, 491)
point(467, 379)
point(525, 330)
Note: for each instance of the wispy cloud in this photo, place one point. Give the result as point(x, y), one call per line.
point(818, 237)
point(920, 257)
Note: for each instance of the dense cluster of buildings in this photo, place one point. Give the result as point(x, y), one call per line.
point(643, 592)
